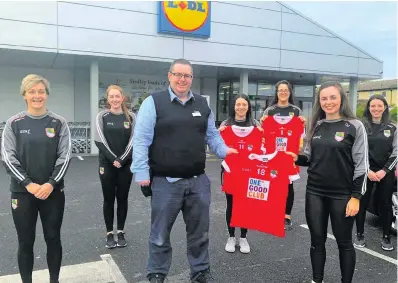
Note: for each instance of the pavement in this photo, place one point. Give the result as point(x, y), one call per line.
point(272, 259)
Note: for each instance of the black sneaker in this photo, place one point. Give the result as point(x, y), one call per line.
point(156, 278)
point(121, 241)
point(204, 277)
point(288, 224)
point(54, 281)
point(110, 241)
point(359, 241)
point(386, 244)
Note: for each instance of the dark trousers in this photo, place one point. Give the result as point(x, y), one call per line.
point(290, 200)
point(25, 208)
point(191, 196)
point(317, 212)
point(115, 184)
point(228, 216)
point(383, 195)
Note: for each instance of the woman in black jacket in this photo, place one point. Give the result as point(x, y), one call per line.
point(382, 140)
point(115, 129)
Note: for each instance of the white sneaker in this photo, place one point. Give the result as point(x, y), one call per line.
point(312, 281)
point(230, 246)
point(244, 246)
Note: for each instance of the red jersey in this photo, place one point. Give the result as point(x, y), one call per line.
point(259, 201)
point(283, 133)
point(246, 140)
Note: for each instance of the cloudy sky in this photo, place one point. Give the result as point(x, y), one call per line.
point(372, 26)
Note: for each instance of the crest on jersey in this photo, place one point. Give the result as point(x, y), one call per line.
point(102, 170)
point(50, 132)
point(291, 114)
point(127, 125)
point(289, 132)
point(14, 203)
point(387, 133)
point(339, 136)
point(274, 173)
point(250, 147)
point(281, 144)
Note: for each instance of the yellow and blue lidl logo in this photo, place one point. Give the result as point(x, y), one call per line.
point(184, 18)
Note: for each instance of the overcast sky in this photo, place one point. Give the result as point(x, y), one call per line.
point(372, 26)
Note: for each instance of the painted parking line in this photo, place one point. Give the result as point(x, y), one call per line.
point(102, 271)
point(80, 158)
point(365, 250)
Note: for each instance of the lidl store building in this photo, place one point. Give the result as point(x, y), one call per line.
point(83, 46)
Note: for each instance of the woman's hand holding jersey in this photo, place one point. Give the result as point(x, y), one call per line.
point(352, 207)
point(295, 156)
point(45, 191)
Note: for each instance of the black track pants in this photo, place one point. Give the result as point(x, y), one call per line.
point(25, 208)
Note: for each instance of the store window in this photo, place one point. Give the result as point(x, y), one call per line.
point(223, 101)
point(303, 91)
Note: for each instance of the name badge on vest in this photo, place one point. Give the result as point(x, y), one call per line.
point(196, 114)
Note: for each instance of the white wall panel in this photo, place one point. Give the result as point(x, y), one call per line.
point(119, 43)
point(232, 14)
point(29, 11)
point(318, 63)
point(318, 44)
point(296, 23)
point(118, 20)
point(245, 35)
point(369, 67)
point(227, 54)
point(269, 5)
point(140, 6)
point(28, 34)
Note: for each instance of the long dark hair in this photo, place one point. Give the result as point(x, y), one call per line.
point(249, 119)
point(317, 112)
point(367, 117)
point(291, 95)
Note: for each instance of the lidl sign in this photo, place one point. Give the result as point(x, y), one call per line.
point(188, 18)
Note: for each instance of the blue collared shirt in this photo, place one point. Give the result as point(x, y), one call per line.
point(144, 132)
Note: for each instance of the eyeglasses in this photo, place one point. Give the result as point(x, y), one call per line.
point(180, 76)
point(283, 91)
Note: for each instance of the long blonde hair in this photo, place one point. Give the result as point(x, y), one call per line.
point(124, 107)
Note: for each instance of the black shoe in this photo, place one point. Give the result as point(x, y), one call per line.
point(54, 281)
point(156, 278)
point(288, 224)
point(204, 277)
point(359, 241)
point(110, 241)
point(121, 241)
point(386, 244)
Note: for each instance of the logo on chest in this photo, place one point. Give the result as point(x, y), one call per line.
point(387, 133)
point(258, 189)
point(50, 132)
point(126, 125)
point(25, 132)
point(281, 144)
point(339, 136)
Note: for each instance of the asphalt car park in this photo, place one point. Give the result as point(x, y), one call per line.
point(272, 259)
